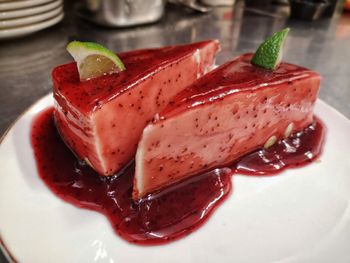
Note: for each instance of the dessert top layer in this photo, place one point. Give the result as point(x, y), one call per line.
point(140, 65)
point(238, 75)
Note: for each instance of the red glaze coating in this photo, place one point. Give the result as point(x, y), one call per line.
point(102, 119)
point(236, 76)
point(227, 113)
point(168, 215)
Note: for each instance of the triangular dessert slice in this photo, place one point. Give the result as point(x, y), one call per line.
point(102, 119)
point(229, 112)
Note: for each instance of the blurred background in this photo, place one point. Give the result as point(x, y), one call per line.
point(34, 34)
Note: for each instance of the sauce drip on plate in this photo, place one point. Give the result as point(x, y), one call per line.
point(169, 214)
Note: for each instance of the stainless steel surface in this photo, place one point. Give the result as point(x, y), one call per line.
point(192, 4)
point(218, 2)
point(122, 13)
point(323, 45)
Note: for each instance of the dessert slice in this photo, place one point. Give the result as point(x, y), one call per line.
point(229, 112)
point(102, 119)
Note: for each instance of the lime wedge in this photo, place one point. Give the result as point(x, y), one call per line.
point(94, 60)
point(269, 53)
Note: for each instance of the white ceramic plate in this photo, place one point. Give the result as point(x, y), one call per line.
point(302, 215)
point(8, 23)
point(21, 4)
point(30, 10)
point(28, 29)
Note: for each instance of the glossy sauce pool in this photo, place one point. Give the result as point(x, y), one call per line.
point(172, 213)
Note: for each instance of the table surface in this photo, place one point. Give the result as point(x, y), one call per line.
point(324, 45)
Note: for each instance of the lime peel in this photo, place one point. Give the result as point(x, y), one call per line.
point(94, 60)
point(269, 53)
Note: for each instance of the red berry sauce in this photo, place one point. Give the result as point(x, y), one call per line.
point(169, 214)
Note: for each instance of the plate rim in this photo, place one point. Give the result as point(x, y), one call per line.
point(16, 5)
point(31, 28)
point(3, 247)
point(31, 10)
point(5, 24)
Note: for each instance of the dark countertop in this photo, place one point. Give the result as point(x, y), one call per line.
point(323, 45)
